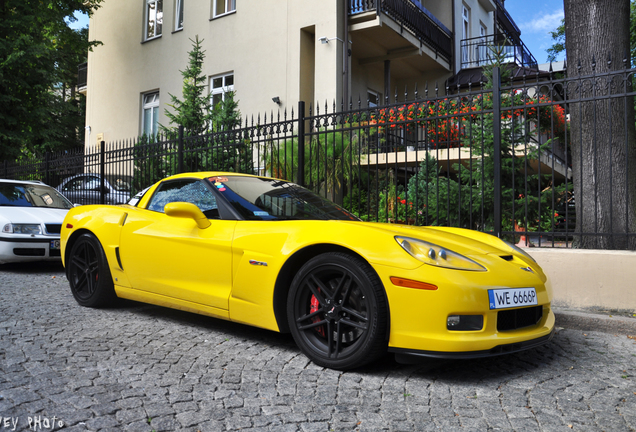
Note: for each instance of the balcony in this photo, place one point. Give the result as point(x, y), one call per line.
point(82, 78)
point(479, 52)
point(411, 15)
point(506, 23)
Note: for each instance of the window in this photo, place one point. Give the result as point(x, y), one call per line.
point(178, 15)
point(190, 191)
point(154, 18)
point(465, 33)
point(219, 86)
point(222, 7)
point(482, 49)
point(374, 98)
point(150, 114)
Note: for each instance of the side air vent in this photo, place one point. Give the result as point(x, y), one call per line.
point(506, 257)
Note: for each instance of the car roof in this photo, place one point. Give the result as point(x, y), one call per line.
point(208, 174)
point(37, 182)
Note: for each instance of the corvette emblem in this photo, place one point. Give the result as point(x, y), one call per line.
point(528, 269)
point(258, 263)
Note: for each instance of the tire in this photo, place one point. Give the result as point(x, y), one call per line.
point(337, 311)
point(88, 273)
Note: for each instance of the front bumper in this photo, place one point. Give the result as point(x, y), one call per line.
point(418, 317)
point(406, 356)
point(28, 249)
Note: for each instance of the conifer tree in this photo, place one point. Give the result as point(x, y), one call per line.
point(193, 111)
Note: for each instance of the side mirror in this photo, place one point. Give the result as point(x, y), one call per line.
point(187, 210)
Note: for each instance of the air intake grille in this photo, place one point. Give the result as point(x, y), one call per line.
point(29, 251)
point(53, 228)
point(518, 318)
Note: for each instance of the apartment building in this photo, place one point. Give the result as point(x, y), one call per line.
point(273, 53)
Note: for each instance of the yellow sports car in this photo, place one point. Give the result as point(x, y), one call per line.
point(268, 253)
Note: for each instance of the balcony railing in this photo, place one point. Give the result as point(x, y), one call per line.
point(480, 51)
point(82, 75)
point(506, 23)
point(413, 16)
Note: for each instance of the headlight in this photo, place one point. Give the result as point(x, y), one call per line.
point(22, 229)
point(521, 251)
point(432, 254)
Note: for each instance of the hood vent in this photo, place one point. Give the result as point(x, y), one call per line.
point(506, 257)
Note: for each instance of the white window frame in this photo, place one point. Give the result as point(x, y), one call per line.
point(465, 32)
point(229, 7)
point(158, 17)
point(223, 89)
point(150, 106)
point(482, 49)
point(178, 15)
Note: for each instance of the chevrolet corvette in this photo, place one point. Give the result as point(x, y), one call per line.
point(269, 253)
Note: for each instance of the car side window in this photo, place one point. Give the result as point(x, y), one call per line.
point(186, 190)
point(75, 185)
point(93, 183)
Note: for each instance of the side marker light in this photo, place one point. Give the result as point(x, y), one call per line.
point(408, 283)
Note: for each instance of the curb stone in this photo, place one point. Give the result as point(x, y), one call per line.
point(595, 321)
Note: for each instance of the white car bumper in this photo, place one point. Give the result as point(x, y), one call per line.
point(26, 250)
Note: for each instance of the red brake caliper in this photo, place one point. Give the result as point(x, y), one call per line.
point(314, 307)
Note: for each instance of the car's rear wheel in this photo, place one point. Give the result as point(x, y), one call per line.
point(88, 273)
point(337, 311)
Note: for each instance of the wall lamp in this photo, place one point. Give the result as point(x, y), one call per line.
point(276, 100)
point(325, 39)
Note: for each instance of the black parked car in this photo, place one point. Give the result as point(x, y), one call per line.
point(85, 188)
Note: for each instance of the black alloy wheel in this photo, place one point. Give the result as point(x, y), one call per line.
point(88, 273)
point(337, 310)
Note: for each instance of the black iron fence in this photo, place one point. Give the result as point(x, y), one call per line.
point(548, 162)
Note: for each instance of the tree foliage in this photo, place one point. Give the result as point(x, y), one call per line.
point(558, 36)
point(39, 55)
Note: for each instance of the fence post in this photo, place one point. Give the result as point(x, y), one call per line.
point(180, 150)
point(102, 170)
point(47, 177)
point(496, 114)
point(301, 143)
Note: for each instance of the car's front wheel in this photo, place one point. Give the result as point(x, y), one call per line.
point(88, 273)
point(337, 311)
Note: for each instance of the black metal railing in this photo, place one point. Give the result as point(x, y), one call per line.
point(485, 50)
point(506, 23)
point(82, 75)
point(504, 160)
point(410, 14)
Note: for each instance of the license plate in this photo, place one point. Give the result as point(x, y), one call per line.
point(511, 297)
point(55, 244)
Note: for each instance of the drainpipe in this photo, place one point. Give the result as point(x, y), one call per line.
point(454, 44)
point(345, 54)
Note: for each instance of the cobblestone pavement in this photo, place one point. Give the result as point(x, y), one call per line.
point(145, 368)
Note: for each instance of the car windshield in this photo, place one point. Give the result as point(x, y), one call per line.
point(258, 198)
point(31, 195)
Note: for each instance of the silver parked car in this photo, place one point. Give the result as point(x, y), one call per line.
point(85, 188)
point(31, 215)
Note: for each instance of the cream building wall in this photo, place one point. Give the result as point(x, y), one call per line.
point(260, 43)
point(272, 47)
